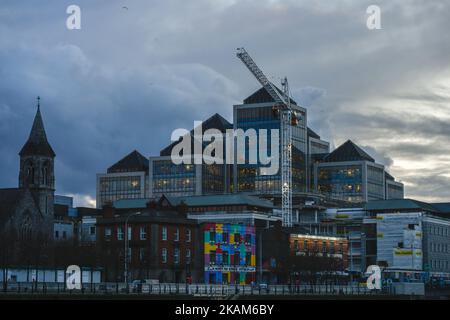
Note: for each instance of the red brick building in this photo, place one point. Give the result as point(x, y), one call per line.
point(332, 248)
point(163, 242)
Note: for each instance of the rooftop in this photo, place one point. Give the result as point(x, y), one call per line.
point(400, 204)
point(262, 96)
point(214, 122)
point(130, 163)
point(348, 151)
point(37, 143)
point(194, 201)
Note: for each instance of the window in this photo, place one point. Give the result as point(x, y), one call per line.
point(188, 256)
point(119, 233)
point(212, 257)
point(164, 234)
point(92, 231)
point(237, 238)
point(212, 236)
point(177, 234)
point(295, 244)
point(142, 254)
point(176, 256)
point(164, 255)
point(107, 232)
point(188, 235)
point(142, 233)
point(64, 235)
point(237, 258)
point(225, 258)
point(56, 234)
point(129, 234)
point(248, 239)
point(225, 237)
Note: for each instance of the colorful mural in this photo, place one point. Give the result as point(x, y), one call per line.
point(230, 253)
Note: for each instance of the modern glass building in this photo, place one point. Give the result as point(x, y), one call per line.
point(349, 173)
point(258, 112)
point(126, 179)
point(317, 150)
point(189, 179)
point(175, 180)
point(394, 189)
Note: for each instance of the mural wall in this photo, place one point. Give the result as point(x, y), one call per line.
point(229, 253)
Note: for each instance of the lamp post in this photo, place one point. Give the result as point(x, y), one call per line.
point(127, 247)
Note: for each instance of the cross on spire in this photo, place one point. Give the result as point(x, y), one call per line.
point(38, 101)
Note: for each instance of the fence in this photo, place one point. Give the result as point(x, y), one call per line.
point(195, 290)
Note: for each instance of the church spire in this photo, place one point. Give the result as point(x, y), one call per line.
point(37, 143)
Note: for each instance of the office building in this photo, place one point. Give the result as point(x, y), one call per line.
point(394, 189)
point(317, 149)
point(412, 235)
point(126, 179)
point(259, 112)
point(349, 173)
point(333, 250)
point(190, 179)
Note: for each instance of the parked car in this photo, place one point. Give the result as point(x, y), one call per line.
point(136, 285)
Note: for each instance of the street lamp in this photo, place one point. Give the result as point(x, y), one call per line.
point(127, 246)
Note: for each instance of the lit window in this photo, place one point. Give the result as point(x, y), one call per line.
point(177, 234)
point(107, 234)
point(188, 235)
point(164, 255)
point(164, 233)
point(119, 233)
point(176, 255)
point(188, 256)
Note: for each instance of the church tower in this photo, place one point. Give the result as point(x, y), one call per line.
point(37, 167)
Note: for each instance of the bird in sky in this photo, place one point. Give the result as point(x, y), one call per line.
point(124, 7)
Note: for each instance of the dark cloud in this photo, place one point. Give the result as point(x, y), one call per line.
point(129, 77)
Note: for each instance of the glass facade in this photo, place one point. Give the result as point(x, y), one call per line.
point(171, 179)
point(213, 176)
point(113, 187)
point(341, 182)
point(248, 175)
point(375, 183)
point(181, 180)
point(394, 191)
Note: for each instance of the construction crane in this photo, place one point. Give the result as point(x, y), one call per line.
point(283, 105)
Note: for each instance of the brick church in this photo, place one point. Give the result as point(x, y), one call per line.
point(26, 212)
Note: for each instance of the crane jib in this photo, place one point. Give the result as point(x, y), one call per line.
point(283, 102)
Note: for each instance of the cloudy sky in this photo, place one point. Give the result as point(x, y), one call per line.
point(132, 75)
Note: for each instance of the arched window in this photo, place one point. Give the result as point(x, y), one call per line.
point(25, 232)
point(44, 176)
point(29, 172)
